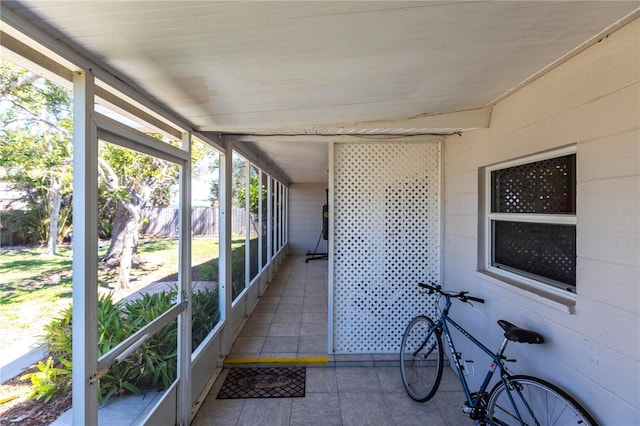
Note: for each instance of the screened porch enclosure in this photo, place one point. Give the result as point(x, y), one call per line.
point(402, 116)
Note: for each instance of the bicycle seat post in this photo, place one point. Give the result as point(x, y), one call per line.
point(503, 347)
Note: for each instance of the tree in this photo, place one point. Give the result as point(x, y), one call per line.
point(35, 145)
point(133, 180)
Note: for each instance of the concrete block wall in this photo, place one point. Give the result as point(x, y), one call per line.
point(591, 101)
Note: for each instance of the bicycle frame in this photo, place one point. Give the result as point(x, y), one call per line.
point(443, 323)
point(497, 362)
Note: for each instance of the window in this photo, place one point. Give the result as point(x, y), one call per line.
point(531, 221)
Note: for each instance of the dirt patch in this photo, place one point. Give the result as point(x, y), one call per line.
point(15, 409)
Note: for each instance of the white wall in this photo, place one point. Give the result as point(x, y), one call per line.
point(305, 217)
point(592, 101)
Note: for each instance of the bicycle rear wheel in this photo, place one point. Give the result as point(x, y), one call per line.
point(421, 359)
point(538, 402)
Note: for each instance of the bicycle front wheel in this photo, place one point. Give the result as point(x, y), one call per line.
point(421, 359)
point(535, 402)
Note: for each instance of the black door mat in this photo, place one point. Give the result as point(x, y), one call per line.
point(280, 382)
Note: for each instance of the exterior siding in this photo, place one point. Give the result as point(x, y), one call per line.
point(592, 101)
point(305, 218)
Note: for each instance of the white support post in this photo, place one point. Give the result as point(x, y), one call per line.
point(280, 214)
point(185, 291)
point(247, 229)
point(330, 252)
point(285, 226)
point(85, 252)
point(224, 255)
point(269, 223)
point(260, 220)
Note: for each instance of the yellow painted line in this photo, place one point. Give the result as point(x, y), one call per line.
point(301, 360)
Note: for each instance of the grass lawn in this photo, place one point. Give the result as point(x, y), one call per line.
point(34, 286)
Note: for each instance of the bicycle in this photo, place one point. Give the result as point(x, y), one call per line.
point(513, 400)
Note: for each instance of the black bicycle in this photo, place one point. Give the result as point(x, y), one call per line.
point(514, 399)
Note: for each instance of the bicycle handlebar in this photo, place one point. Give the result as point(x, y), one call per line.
point(462, 296)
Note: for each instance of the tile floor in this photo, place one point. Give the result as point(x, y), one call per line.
point(290, 321)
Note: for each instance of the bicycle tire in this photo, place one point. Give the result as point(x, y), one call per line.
point(421, 359)
point(549, 404)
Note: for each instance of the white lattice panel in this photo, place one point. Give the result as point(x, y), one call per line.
point(387, 239)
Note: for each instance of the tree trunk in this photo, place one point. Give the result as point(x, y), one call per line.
point(124, 240)
point(56, 202)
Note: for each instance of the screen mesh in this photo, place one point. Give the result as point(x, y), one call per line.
point(546, 186)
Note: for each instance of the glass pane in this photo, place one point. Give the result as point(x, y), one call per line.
point(205, 186)
point(254, 193)
point(547, 186)
point(265, 227)
point(541, 249)
point(138, 268)
point(238, 226)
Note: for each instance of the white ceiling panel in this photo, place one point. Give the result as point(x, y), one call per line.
point(300, 67)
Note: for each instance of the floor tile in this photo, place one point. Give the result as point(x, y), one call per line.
point(261, 308)
point(316, 290)
point(293, 292)
point(219, 412)
point(448, 404)
point(273, 344)
point(287, 317)
point(290, 308)
point(284, 329)
point(321, 379)
point(406, 411)
point(365, 409)
point(265, 317)
point(248, 344)
point(315, 307)
point(265, 411)
point(254, 329)
point(316, 409)
point(295, 300)
point(312, 344)
point(313, 329)
point(389, 378)
point(313, 317)
point(315, 300)
point(357, 379)
point(450, 380)
point(269, 300)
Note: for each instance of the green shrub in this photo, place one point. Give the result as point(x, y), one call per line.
point(49, 380)
point(205, 314)
point(153, 366)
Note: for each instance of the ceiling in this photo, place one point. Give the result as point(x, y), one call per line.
point(279, 71)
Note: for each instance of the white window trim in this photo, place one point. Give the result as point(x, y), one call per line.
point(528, 283)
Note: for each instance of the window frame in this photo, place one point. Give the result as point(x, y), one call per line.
point(522, 278)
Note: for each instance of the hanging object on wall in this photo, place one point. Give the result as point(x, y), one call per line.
point(324, 234)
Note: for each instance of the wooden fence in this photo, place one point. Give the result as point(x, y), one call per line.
point(164, 222)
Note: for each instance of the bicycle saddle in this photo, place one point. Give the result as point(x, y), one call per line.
point(520, 335)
